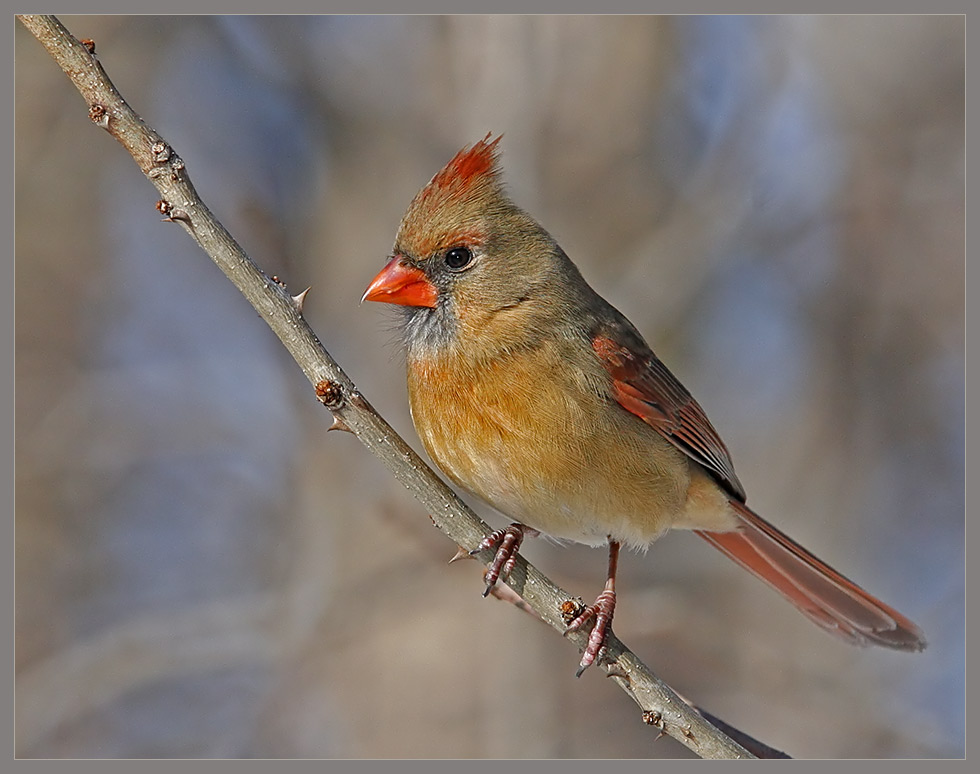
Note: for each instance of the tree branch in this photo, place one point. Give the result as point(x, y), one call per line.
point(660, 706)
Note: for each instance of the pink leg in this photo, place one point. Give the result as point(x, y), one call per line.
point(507, 542)
point(602, 610)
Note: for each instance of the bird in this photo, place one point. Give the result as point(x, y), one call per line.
point(533, 393)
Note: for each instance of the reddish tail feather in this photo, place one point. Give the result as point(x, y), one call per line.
point(820, 592)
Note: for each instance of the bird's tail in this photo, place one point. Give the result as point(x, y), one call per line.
point(819, 591)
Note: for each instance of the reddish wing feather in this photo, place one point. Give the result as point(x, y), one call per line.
point(644, 387)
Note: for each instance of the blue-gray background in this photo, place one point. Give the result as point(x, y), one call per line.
point(776, 202)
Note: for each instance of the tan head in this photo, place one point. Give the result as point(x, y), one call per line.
point(470, 264)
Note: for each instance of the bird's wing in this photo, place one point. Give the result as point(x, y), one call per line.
point(645, 387)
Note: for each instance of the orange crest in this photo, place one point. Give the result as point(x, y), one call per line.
point(443, 212)
point(469, 167)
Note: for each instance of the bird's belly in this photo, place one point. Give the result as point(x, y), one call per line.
point(546, 460)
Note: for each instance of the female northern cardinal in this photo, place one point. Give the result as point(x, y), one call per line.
point(531, 391)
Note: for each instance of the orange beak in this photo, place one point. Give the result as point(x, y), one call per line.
point(399, 283)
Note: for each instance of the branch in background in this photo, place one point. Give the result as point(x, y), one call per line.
point(661, 706)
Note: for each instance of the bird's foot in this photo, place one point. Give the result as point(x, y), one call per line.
point(507, 542)
point(602, 610)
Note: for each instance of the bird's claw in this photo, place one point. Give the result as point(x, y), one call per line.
point(602, 611)
point(507, 541)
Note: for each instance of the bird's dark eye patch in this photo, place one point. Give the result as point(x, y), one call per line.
point(458, 258)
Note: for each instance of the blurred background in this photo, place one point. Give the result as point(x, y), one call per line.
point(776, 202)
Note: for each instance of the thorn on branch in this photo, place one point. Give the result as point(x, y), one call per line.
point(615, 670)
point(461, 553)
point(339, 424)
point(507, 594)
point(173, 215)
point(300, 299)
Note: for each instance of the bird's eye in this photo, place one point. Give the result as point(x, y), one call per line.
point(458, 258)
